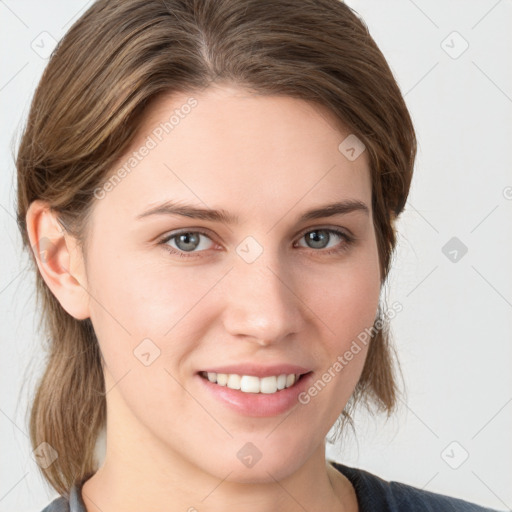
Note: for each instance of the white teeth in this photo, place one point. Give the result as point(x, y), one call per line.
point(233, 381)
point(222, 379)
point(268, 385)
point(281, 381)
point(252, 384)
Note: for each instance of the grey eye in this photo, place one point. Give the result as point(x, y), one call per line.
point(188, 241)
point(318, 241)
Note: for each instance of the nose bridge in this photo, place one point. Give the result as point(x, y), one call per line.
point(261, 302)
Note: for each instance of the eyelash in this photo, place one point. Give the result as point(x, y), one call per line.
point(348, 240)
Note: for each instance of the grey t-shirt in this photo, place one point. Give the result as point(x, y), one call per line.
point(373, 495)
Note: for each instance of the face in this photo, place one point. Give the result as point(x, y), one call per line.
point(183, 305)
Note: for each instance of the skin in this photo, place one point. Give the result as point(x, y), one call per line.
point(169, 445)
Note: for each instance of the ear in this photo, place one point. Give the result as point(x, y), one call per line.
point(59, 259)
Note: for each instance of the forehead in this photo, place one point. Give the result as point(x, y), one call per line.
point(229, 148)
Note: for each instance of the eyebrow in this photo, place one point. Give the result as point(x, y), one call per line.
point(220, 215)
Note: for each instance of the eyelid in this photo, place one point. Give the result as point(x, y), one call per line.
point(343, 230)
point(345, 234)
point(206, 232)
point(174, 233)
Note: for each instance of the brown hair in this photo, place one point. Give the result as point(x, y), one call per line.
point(89, 104)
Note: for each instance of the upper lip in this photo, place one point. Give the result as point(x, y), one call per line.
point(259, 370)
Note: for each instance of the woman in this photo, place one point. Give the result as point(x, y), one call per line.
point(209, 191)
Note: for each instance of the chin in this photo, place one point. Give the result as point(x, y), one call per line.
point(262, 473)
point(258, 462)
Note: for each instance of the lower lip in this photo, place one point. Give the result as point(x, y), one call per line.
point(258, 404)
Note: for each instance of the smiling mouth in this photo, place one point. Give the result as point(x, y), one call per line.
point(252, 384)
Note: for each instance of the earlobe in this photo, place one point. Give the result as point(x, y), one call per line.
point(58, 258)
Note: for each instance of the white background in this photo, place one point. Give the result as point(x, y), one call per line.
point(454, 333)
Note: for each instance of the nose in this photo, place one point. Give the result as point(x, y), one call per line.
point(261, 303)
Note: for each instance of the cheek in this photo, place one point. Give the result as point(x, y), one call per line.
point(130, 297)
point(347, 297)
point(144, 334)
point(347, 312)
point(146, 322)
